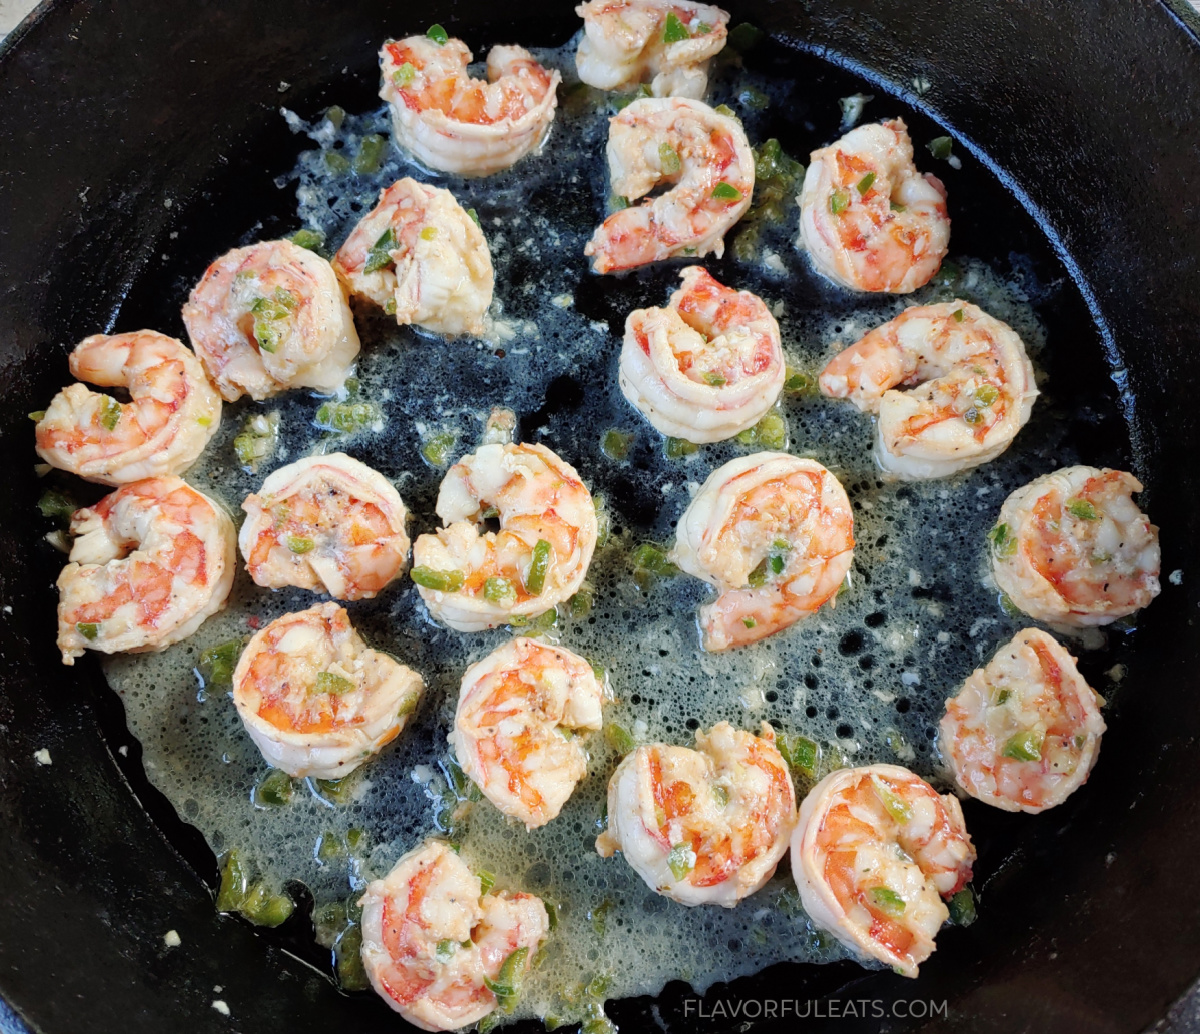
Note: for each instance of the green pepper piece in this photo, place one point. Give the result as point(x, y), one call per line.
point(866, 183)
point(370, 154)
point(839, 201)
point(681, 860)
point(962, 908)
point(618, 737)
point(88, 629)
point(1004, 543)
point(274, 790)
point(615, 444)
point(487, 880)
point(674, 31)
point(895, 805)
point(887, 900)
point(726, 192)
point(336, 163)
point(797, 383)
point(110, 413)
point(713, 380)
point(404, 76)
point(677, 448)
point(940, 147)
point(439, 35)
point(57, 505)
point(1024, 746)
point(499, 590)
point(440, 581)
point(234, 883)
point(507, 985)
point(539, 567)
point(218, 662)
point(330, 683)
point(1082, 509)
point(668, 159)
point(436, 451)
point(299, 544)
point(379, 257)
point(743, 37)
point(800, 753)
point(986, 394)
point(648, 558)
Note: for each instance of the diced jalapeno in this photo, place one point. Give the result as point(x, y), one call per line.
point(726, 110)
point(887, 900)
point(37, 416)
point(940, 147)
point(370, 154)
point(726, 192)
point(335, 115)
point(713, 380)
point(615, 444)
point(895, 805)
point(866, 183)
point(677, 448)
point(1024, 746)
point(404, 76)
point(263, 908)
point(57, 505)
point(379, 257)
point(668, 159)
point(986, 394)
point(1083, 510)
point(839, 201)
point(337, 163)
point(507, 985)
point(88, 629)
point(647, 558)
point(674, 31)
point(441, 581)
point(499, 590)
point(720, 795)
point(274, 791)
point(962, 907)
point(797, 383)
point(1004, 543)
point(110, 413)
point(299, 544)
point(618, 737)
point(333, 684)
point(800, 753)
point(347, 417)
point(958, 315)
point(436, 450)
point(445, 950)
point(743, 37)
point(217, 662)
point(439, 35)
point(428, 233)
point(681, 860)
point(539, 566)
point(234, 882)
point(758, 577)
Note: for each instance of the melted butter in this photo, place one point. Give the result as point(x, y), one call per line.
point(867, 678)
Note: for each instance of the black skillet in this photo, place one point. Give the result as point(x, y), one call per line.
point(1088, 114)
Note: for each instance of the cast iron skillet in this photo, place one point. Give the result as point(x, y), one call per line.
point(1088, 114)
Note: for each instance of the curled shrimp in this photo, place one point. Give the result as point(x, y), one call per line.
point(1023, 733)
point(626, 42)
point(149, 563)
point(708, 365)
point(315, 699)
point(969, 388)
point(474, 578)
point(1072, 548)
point(270, 317)
point(869, 220)
point(705, 159)
point(172, 413)
point(705, 826)
point(454, 123)
point(875, 851)
point(421, 257)
point(514, 729)
point(325, 523)
point(432, 940)
point(774, 534)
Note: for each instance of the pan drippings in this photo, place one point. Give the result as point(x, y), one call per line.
point(866, 678)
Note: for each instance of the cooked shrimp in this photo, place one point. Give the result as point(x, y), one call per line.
point(970, 388)
point(775, 535)
point(875, 851)
point(420, 256)
point(454, 123)
point(514, 729)
point(705, 826)
point(869, 220)
point(431, 940)
point(666, 42)
point(172, 413)
point(706, 160)
point(315, 699)
point(472, 578)
point(708, 365)
point(149, 563)
point(328, 524)
point(1024, 732)
point(1072, 548)
point(271, 317)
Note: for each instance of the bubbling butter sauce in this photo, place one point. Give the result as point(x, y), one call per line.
point(866, 679)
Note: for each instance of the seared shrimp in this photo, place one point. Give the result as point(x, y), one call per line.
point(705, 826)
point(708, 365)
point(514, 729)
point(315, 699)
point(874, 853)
point(325, 523)
point(1024, 732)
point(421, 257)
point(1072, 548)
point(472, 578)
point(668, 42)
point(172, 413)
point(705, 159)
point(454, 123)
point(869, 220)
point(270, 317)
point(970, 388)
point(149, 563)
point(775, 535)
point(432, 940)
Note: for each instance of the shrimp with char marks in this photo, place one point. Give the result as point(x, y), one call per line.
point(149, 563)
point(1072, 548)
point(703, 826)
point(666, 42)
point(868, 219)
point(325, 523)
point(422, 258)
point(453, 123)
point(703, 157)
point(707, 366)
point(269, 317)
point(875, 851)
point(315, 699)
point(432, 941)
point(172, 414)
point(473, 578)
point(969, 388)
point(515, 728)
point(1023, 733)
point(774, 534)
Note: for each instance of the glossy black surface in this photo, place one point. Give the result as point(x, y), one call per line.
point(1091, 913)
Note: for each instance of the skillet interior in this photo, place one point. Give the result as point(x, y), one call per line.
point(1102, 149)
